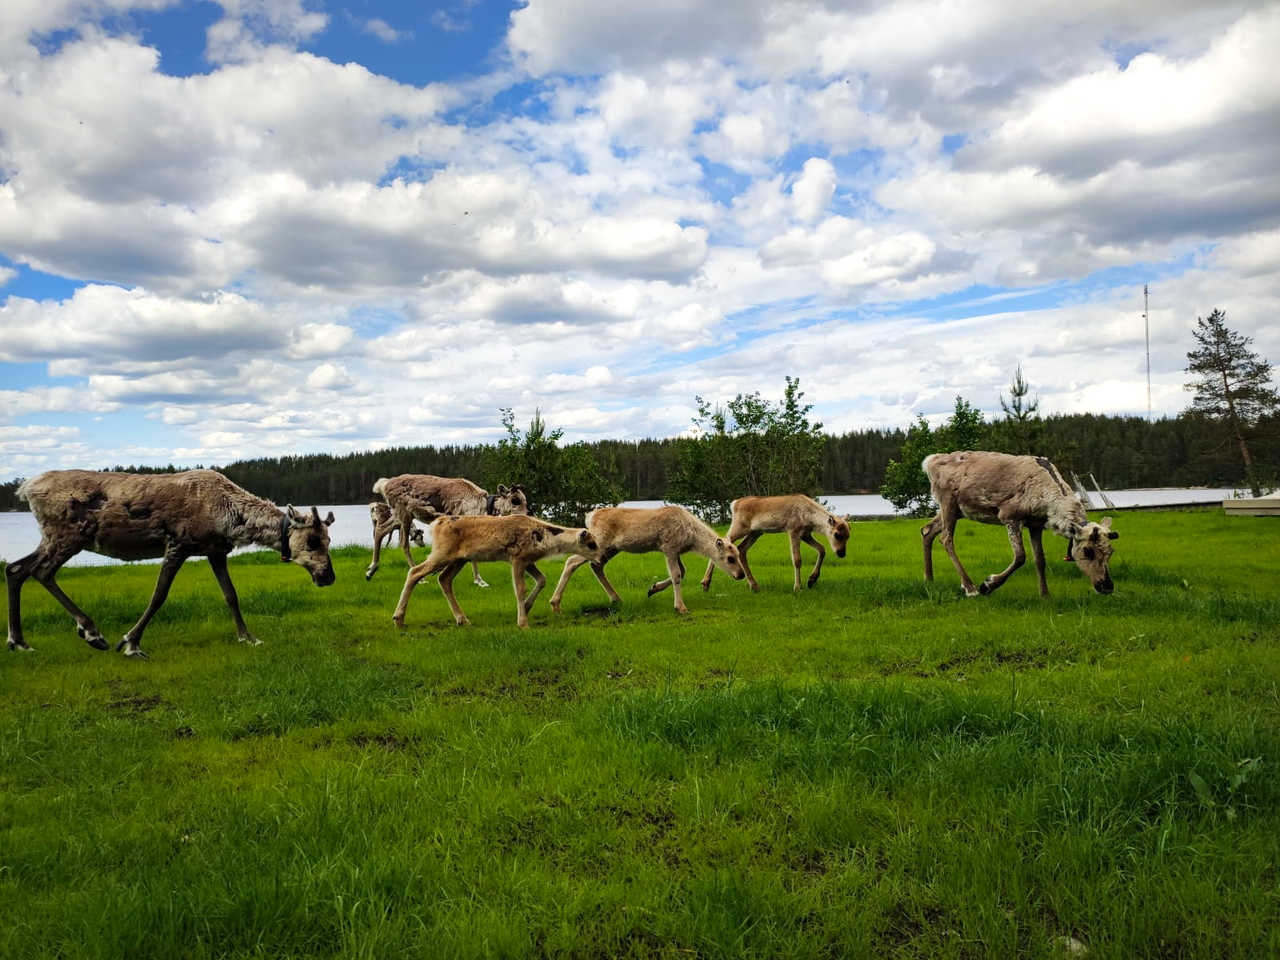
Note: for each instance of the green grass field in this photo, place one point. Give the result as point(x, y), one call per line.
point(873, 768)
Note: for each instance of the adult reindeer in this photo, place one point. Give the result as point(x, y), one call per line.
point(1015, 491)
point(143, 516)
point(420, 496)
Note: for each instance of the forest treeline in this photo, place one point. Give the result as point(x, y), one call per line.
point(1187, 450)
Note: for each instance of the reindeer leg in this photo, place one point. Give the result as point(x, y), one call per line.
point(15, 574)
point(168, 570)
point(518, 585)
point(539, 582)
point(949, 518)
point(44, 566)
point(745, 544)
point(570, 565)
point(415, 574)
point(218, 564)
point(1037, 550)
point(381, 534)
point(675, 576)
point(996, 580)
point(446, 587)
point(928, 533)
point(794, 537)
point(405, 530)
point(475, 575)
point(822, 555)
point(597, 567)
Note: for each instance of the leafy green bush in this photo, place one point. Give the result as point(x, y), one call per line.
point(905, 483)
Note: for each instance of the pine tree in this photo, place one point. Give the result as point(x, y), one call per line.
point(1232, 385)
point(1021, 420)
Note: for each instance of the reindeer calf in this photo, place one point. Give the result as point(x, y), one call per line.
point(520, 540)
point(668, 530)
point(794, 514)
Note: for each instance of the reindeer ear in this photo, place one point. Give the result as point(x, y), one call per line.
point(328, 521)
point(502, 490)
point(1074, 531)
point(293, 514)
point(537, 536)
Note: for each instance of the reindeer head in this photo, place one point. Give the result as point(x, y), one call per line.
point(838, 533)
point(727, 559)
point(587, 545)
point(308, 544)
point(1091, 550)
point(510, 500)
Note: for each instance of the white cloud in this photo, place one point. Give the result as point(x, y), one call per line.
point(812, 192)
point(384, 31)
point(328, 376)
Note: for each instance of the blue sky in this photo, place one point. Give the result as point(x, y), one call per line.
point(252, 227)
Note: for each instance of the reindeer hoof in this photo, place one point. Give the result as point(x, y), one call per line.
point(251, 640)
point(131, 649)
point(755, 588)
point(18, 644)
point(971, 592)
point(398, 621)
point(812, 581)
point(652, 591)
point(462, 621)
point(480, 583)
point(368, 574)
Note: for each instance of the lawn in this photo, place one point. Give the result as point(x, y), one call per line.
point(873, 768)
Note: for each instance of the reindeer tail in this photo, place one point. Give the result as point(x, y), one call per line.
point(379, 484)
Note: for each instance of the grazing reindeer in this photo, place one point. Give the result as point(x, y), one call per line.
point(520, 540)
point(669, 530)
point(795, 514)
point(379, 514)
point(420, 496)
point(139, 516)
point(1017, 492)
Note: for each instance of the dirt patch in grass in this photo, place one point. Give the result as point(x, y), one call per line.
point(136, 703)
point(387, 740)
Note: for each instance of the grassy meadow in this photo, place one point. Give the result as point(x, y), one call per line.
point(874, 768)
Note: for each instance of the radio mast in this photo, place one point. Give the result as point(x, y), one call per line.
point(1146, 325)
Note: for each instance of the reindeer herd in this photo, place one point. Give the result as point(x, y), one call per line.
point(200, 513)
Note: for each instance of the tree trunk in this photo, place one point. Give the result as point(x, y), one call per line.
point(1250, 477)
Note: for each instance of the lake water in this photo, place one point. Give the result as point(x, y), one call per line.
point(19, 534)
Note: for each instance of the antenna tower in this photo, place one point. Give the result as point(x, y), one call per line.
point(1146, 325)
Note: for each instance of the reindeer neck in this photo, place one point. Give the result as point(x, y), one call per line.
point(703, 540)
point(1065, 513)
point(260, 524)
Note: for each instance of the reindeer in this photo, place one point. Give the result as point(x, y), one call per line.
point(795, 514)
point(379, 514)
point(1014, 491)
point(670, 530)
point(172, 516)
point(520, 540)
point(420, 496)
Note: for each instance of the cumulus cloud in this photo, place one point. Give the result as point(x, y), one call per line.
point(681, 197)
